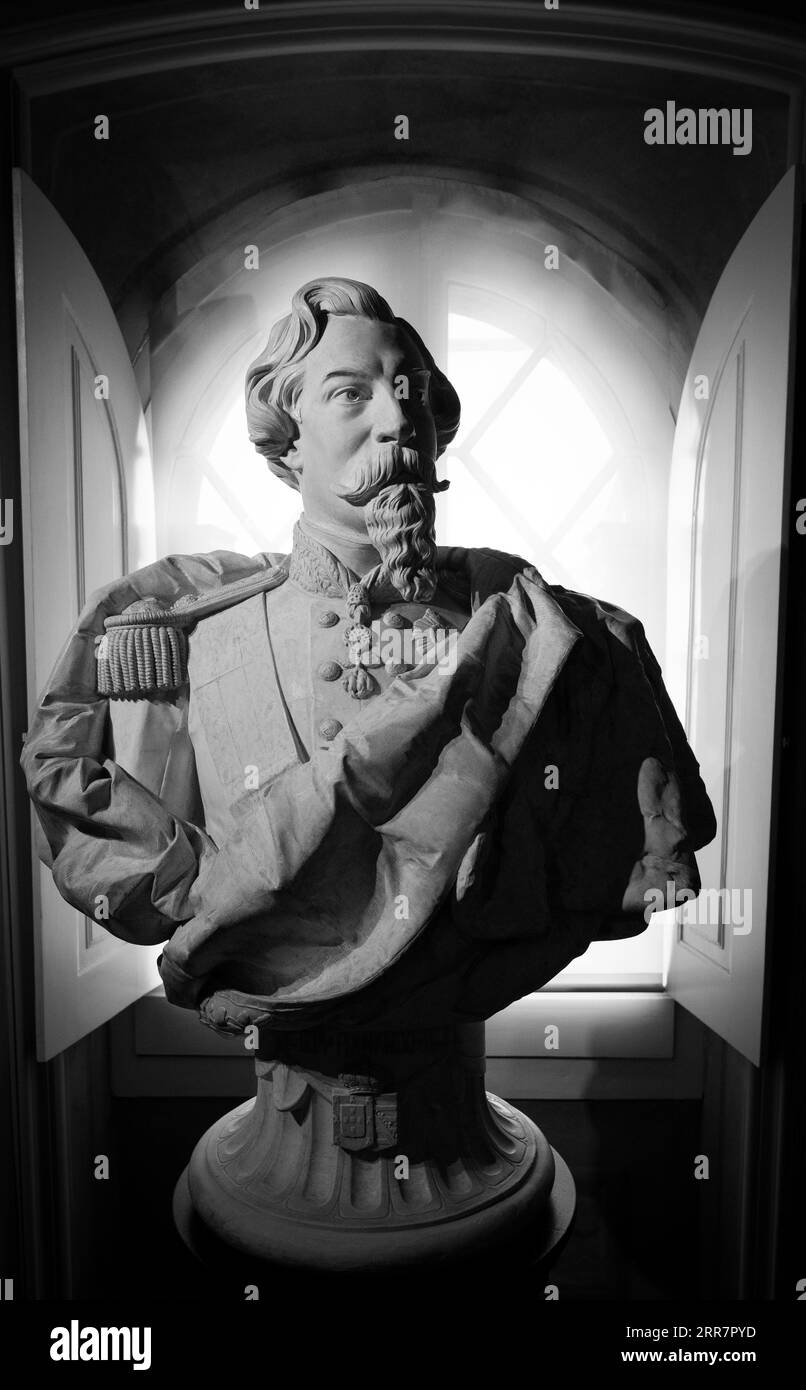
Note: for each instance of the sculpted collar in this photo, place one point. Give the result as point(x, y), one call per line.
point(467, 576)
point(319, 571)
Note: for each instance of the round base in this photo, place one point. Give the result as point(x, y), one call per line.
point(394, 1157)
point(537, 1247)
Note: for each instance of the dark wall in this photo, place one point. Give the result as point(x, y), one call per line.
point(191, 144)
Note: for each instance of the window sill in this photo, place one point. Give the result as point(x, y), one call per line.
point(584, 1023)
point(612, 1045)
point(587, 1023)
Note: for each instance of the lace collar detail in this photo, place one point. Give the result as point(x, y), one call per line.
point(316, 569)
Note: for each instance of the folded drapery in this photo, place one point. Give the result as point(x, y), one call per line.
point(448, 853)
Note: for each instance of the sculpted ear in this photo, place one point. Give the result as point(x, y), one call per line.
point(292, 460)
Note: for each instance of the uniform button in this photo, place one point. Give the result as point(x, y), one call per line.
point(394, 620)
point(329, 728)
point(328, 619)
point(330, 670)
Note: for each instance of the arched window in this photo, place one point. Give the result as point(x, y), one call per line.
point(562, 363)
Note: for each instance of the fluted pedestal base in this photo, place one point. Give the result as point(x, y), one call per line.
point(380, 1152)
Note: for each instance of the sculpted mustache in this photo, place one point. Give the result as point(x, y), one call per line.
point(392, 464)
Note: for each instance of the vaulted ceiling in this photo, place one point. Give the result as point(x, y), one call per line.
point(190, 144)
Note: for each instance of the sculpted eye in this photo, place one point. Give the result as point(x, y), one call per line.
point(420, 384)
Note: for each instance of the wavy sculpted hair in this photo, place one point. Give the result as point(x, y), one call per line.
point(274, 379)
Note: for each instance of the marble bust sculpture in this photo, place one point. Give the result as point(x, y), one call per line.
point(375, 783)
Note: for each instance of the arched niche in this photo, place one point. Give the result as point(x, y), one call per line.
point(582, 327)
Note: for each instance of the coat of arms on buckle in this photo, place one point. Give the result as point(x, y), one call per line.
point(364, 1120)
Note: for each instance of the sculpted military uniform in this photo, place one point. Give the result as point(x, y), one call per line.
point(430, 851)
point(267, 676)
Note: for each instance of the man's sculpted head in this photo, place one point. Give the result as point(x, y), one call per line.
point(347, 405)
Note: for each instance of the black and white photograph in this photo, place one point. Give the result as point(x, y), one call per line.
point(402, 675)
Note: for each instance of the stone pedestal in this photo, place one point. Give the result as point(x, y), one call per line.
point(374, 1150)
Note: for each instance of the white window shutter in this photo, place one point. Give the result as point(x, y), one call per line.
point(87, 516)
point(725, 531)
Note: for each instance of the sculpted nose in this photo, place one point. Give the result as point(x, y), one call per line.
point(392, 422)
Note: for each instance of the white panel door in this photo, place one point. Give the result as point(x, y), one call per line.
point(87, 516)
point(725, 532)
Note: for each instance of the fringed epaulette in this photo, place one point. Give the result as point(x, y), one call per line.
point(144, 649)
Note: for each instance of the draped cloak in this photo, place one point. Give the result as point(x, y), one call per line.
point(449, 851)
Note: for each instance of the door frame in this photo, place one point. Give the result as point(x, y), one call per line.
point(779, 1209)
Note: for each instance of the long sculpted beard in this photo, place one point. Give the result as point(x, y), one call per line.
point(397, 493)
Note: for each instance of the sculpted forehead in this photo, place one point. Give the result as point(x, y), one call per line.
point(361, 344)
